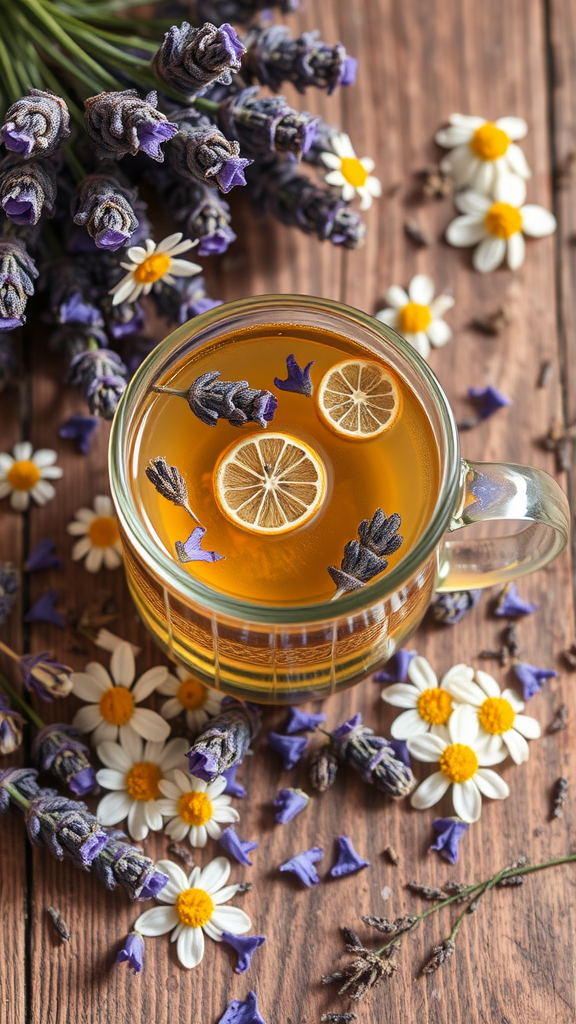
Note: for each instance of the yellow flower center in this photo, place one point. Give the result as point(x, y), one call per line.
point(503, 220)
point(489, 142)
point(195, 808)
point(152, 268)
point(353, 171)
point(458, 762)
point(191, 694)
point(103, 531)
point(194, 907)
point(117, 705)
point(435, 706)
point(497, 715)
point(142, 781)
point(414, 318)
point(23, 475)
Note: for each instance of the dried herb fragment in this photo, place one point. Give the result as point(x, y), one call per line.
point(244, 887)
point(350, 936)
point(436, 184)
point(416, 234)
point(373, 757)
point(392, 855)
point(191, 550)
point(364, 973)
point(427, 892)
point(560, 796)
point(338, 1018)
point(494, 323)
point(182, 854)
point(560, 439)
point(59, 924)
point(170, 483)
point(322, 769)
point(564, 173)
point(546, 372)
point(558, 723)
point(364, 558)
point(388, 927)
point(211, 399)
point(440, 954)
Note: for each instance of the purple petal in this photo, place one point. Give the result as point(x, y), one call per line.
point(289, 803)
point(18, 142)
point(510, 604)
point(154, 885)
point(44, 610)
point(348, 860)
point(191, 550)
point(246, 1012)
point(84, 782)
point(488, 400)
point(112, 240)
point(302, 721)
point(232, 42)
point(348, 726)
point(153, 133)
point(42, 557)
point(290, 747)
point(132, 952)
point(400, 748)
point(349, 71)
point(203, 764)
point(233, 788)
point(79, 428)
point(532, 678)
point(10, 323)
point(20, 210)
point(396, 670)
point(236, 847)
point(298, 379)
point(302, 865)
point(449, 834)
point(245, 946)
point(217, 243)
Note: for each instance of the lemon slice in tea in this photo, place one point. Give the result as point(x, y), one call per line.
point(269, 483)
point(358, 399)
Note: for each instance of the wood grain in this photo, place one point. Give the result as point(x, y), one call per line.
point(418, 62)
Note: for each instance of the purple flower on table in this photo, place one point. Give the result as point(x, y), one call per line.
point(121, 863)
point(17, 272)
point(78, 310)
point(79, 428)
point(451, 607)
point(202, 153)
point(449, 832)
point(233, 788)
point(65, 827)
point(243, 1012)
point(347, 727)
point(10, 727)
point(106, 208)
point(289, 803)
point(302, 865)
point(43, 556)
point(225, 739)
point(44, 610)
point(532, 678)
point(59, 749)
point(44, 676)
point(510, 604)
point(36, 124)
point(302, 721)
point(273, 57)
point(236, 847)
point(190, 59)
point(120, 123)
point(488, 400)
point(245, 946)
point(298, 379)
point(266, 124)
point(290, 747)
point(191, 550)
point(396, 670)
point(348, 860)
point(100, 376)
point(27, 189)
point(132, 952)
point(400, 748)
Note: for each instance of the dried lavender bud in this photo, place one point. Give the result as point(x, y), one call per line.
point(9, 587)
point(451, 607)
point(322, 770)
point(365, 559)
point(545, 374)
point(17, 271)
point(350, 937)
point(36, 124)
point(440, 954)
point(373, 757)
point(121, 863)
point(202, 153)
point(211, 399)
point(559, 722)
point(365, 971)
point(559, 797)
point(265, 124)
point(100, 376)
point(119, 123)
point(106, 208)
point(416, 234)
point(65, 827)
point(191, 59)
point(169, 482)
point(45, 677)
point(493, 324)
point(512, 640)
point(427, 892)
point(27, 189)
point(392, 855)
point(59, 749)
point(436, 184)
point(202, 214)
point(226, 740)
point(182, 854)
point(10, 727)
point(387, 927)
point(244, 887)
point(338, 1018)
point(453, 888)
point(511, 880)
point(274, 57)
point(59, 924)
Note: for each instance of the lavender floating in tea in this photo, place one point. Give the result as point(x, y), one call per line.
point(364, 558)
point(211, 399)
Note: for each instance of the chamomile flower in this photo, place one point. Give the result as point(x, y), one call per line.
point(194, 907)
point(429, 703)
point(134, 772)
point(190, 695)
point(503, 727)
point(497, 229)
point(484, 155)
point(463, 763)
point(196, 808)
point(151, 263)
point(97, 529)
point(112, 710)
point(26, 474)
point(348, 173)
point(417, 315)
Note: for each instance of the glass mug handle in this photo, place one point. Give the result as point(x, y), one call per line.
point(503, 491)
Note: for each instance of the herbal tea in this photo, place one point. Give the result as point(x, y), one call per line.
point(258, 491)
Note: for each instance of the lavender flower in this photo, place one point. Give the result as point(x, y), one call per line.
point(44, 676)
point(10, 727)
point(225, 741)
point(77, 309)
point(9, 587)
point(191, 550)
point(17, 271)
point(65, 827)
point(449, 832)
point(203, 215)
point(372, 757)
point(80, 429)
point(510, 604)
point(211, 399)
point(100, 376)
point(266, 124)
point(242, 1012)
point(302, 865)
point(400, 748)
point(202, 153)
point(43, 556)
point(348, 860)
point(121, 863)
point(274, 57)
point(21, 779)
point(532, 678)
point(302, 721)
point(236, 847)
point(191, 59)
point(132, 952)
point(233, 787)
point(27, 189)
point(184, 299)
point(59, 749)
point(364, 558)
point(298, 380)
point(488, 400)
point(449, 608)
point(245, 946)
point(291, 748)
point(396, 670)
point(289, 803)
point(119, 123)
point(105, 207)
point(44, 610)
point(36, 124)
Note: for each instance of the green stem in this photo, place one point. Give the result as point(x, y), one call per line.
point(168, 391)
point(15, 696)
point(57, 56)
point(74, 163)
point(41, 11)
point(13, 792)
point(8, 73)
point(208, 105)
point(55, 85)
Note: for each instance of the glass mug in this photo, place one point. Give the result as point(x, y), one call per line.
point(290, 654)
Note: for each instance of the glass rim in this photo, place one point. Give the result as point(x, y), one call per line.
point(174, 577)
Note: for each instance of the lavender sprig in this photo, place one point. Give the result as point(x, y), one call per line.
point(170, 483)
point(211, 399)
point(266, 124)
point(191, 59)
point(274, 56)
point(27, 189)
point(201, 153)
point(105, 207)
point(59, 749)
point(121, 863)
point(225, 741)
point(364, 558)
point(100, 376)
point(373, 757)
point(121, 123)
point(36, 124)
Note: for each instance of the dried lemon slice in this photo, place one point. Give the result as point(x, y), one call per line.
point(358, 399)
point(269, 483)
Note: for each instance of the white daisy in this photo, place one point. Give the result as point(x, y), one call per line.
point(195, 808)
point(190, 695)
point(499, 227)
point(113, 712)
point(349, 173)
point(99, 535)
point(484, 155)
point(463, 765)
point(194, 907)
point(417, 315)
point(429, 702)
point(502, 725)
point(153, 263)
point(25, 474)
point(134, 772)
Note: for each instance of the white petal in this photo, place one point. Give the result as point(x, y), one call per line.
point(487, 683)
point(460, 163)
point(465, 231)
point(22, 451)
point(105, 733)
point(131, 743)
point(173, 755)
point(440, 305)
point(537, 222)
point(177, 880)
point(407, 725)
point(157, 921)
point(231, 919)
point(171, 791)
point(396, 297)
point(527, 727)
point(467, 800)
point(421, 673)
point(167, 244)
point(81, 548)
point(110, 778)
point(215, 874)
point(515, 127)
point(94, 559)
point(453, 135)
point(491, 754)
point(190, 947)
point(78, 528)
point(335, 178)
point(45, 457)
point(465, 691)
point(426, 748)
point(430, 791)
point(224, 814)
point(421, 289)
point(86, 719)
point(86, 687)
point(491, 785)
point(516, 251)
point(484, 177)
point(149, 724)
point(365, 196)
point(514, 700)
point(342, 145)
point(331, 160)
point(103, 505)
point(137, 824)
point(472, 203)
point(184, 268)
point(123, 666)
point(169, 687)
point(489, 254)
point(149, 682)
point(463, 725)
point(517, 746)
point(517, 162)
point(19, 500)
point(368, 164)
point(216, 788)
point(348, 192)
point(114, 756)
point(6, 462)
point(171, 709)
point(419, 341)
point(5, 489)
point(112, 559)
point(177, 829)
point(137, 254)
point(439, 333)
point(122, 290)
point(388, 316)
point(401, 695)
point(42, 492)
point(152, 815)
point(113, 808)
point(509, 188)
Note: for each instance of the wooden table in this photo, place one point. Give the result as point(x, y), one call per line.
point(419, 61)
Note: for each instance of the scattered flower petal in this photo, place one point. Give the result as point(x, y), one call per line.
point(396, 670)
point(245, 946)
point(132, 952)
point(236, 847)
point(289, 803)
point(191, 550)
point(532, 678)
point(451, 607)
point(44, 610)
point(79, 428)
point(246, 1012)
point(302, 865)
point(298, 379)
point(290, 747)
point(348, 860)
point(510, 604)
point(234, 788)
point(302, 721)
point(488, 400)
point(449, 835)
point(43, 556)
